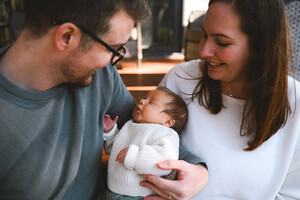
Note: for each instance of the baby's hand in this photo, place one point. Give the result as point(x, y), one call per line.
point(122, 154)
point(108, 123)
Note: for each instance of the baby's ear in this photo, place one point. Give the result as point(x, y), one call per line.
point(170, 122)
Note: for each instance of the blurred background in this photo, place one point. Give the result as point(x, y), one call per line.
point(162, 35)
point(169, 37)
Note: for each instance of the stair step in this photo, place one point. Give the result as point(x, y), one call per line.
point(142, 79)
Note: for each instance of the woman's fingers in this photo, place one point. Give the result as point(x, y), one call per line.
point(191, 180)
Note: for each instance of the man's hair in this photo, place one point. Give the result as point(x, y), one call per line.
point(92, 14)
point(176, 109)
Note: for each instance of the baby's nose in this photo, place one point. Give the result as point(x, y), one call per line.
point(142, 101)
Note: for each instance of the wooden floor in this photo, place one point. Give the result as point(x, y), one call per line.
point(140, 80)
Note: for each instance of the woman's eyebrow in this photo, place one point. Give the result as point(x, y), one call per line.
point(216, 34)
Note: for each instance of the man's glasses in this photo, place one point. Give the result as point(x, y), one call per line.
point(118, 54)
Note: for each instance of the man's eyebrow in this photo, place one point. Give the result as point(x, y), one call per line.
point(216, 34)
point(117, 45)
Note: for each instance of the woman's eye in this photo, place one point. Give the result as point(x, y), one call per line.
point(222, 44)
point(204, 36)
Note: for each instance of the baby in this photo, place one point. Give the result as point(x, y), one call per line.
point(150, 137)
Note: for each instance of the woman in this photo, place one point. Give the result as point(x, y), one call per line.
point(242, 106)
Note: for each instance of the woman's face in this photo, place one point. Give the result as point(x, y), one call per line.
point(224, 46)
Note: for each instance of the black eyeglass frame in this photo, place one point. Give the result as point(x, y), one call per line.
point(92, 35)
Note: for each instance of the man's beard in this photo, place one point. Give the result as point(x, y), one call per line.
point(73, 70)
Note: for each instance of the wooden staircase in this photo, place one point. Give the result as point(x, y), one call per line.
point(140, 84)
point(141, 80)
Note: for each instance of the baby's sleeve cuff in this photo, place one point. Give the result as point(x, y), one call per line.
point(131, 156)
point(111, 133)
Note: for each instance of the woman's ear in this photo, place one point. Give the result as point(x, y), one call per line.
point(67, 35)
point(170, 122)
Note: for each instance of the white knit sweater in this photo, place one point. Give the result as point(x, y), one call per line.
point(148, 144)
point(270, 172)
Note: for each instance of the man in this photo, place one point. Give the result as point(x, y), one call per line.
point(56, 84)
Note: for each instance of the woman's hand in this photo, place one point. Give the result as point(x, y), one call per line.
point(191, 180)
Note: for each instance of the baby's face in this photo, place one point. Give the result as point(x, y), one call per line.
point(150, 109)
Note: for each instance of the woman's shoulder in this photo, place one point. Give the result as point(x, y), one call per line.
point(293, 85)
point(189, 70)
point(183, 78)
point(186, 67)
point(294, 92)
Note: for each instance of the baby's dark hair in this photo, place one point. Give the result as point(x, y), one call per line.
point(177, 109)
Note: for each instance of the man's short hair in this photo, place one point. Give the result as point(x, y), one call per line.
point(92, 14)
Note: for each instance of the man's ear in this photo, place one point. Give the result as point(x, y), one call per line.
point(170, 122)
point(67, 35)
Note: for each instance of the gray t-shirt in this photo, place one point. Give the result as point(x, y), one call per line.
point(51, 141)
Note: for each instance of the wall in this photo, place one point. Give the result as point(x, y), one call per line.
point(190, 5)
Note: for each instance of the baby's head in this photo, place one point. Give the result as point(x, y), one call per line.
point(161, 106)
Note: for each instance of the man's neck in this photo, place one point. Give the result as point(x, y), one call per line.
point(26, 65)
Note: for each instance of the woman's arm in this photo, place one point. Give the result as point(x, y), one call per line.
point(290, 188)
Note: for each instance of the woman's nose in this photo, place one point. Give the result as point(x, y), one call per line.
point(205, 49)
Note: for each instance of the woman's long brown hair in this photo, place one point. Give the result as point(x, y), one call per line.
point(268, 107)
